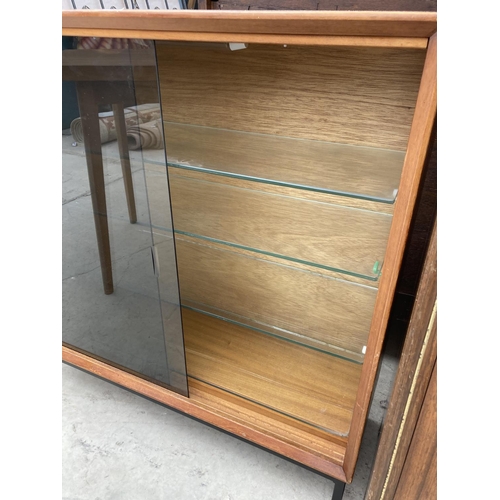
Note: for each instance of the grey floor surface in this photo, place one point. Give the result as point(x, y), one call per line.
point(120, 446)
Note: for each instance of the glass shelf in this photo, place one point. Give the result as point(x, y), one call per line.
point(272, 372)
point(324, 235)
point(341, 169)
point(325, 313)
point(274, 331)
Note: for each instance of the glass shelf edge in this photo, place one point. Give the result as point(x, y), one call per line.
point(282, 183)
point(265, 332)
point(279, 256)
point(289, 415)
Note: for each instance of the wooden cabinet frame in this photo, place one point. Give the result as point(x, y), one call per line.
point(335, 457)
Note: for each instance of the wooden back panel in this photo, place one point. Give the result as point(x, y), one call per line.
point(364, 96)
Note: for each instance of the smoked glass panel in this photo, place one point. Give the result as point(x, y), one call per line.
point(118, 302)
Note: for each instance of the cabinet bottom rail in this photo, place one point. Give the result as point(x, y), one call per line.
point(314, 449)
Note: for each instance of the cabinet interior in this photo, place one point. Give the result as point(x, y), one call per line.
point(284, 164)
point(268, 242)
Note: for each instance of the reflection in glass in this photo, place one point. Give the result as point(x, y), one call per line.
point(117, 303)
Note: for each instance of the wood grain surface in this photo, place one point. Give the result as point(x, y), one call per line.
point(302, 383)
point(277, 189)
point(362, 97)
point(397, 24)
point(415, 369)
point(421, 228)
point(324, 234)
point(301, 92)
point(418, 145)
point(419, 475)
point(226, 38)
point(362, 172)
point(278, 298)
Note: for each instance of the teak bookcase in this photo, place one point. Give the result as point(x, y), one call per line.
point(293, 166)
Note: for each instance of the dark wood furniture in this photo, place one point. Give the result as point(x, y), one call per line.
point(406, 462)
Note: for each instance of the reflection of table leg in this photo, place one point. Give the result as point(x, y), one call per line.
point(121, 132)
point(93, 152)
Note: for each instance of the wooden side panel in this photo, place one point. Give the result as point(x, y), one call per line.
point(422, 224)
point(363, 96)
point(422, 126)
point(419, 476)
point(417, 363)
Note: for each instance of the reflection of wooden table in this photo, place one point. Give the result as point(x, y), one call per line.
point(106, 77)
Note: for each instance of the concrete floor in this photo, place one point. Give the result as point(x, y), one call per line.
point(119, 445)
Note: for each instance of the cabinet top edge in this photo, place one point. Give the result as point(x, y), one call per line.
point(329, 23)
